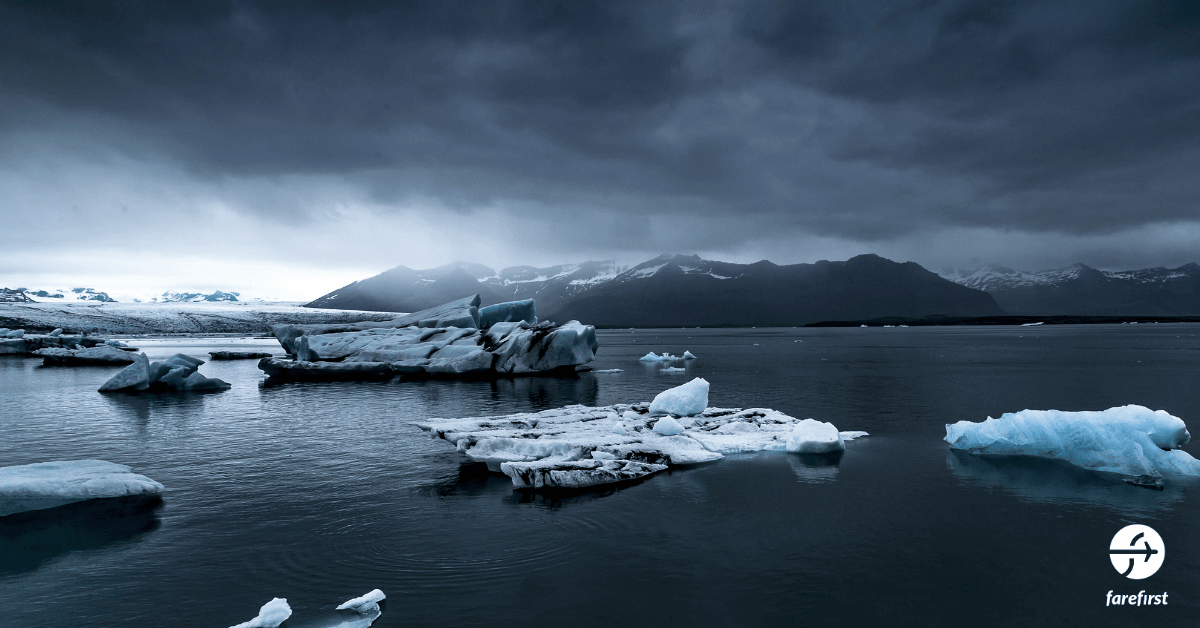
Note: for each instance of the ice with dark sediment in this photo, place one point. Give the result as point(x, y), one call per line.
point(49, 484)
point(453, 340)
point(16, 341)
point(177, 373)
point(239, 355)
point(1130, 440)
point(579, 446)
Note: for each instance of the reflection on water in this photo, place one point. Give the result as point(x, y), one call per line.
point(1046, 480)
point(815, 468)
point(30, 539)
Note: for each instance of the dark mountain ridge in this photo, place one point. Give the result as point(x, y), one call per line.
point(681, 290)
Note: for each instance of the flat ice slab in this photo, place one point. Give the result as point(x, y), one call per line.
point(49, 484)
point(102, 354)
point(580, 446)
point(1131, 440)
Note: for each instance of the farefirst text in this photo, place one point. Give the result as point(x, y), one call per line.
point(1141, 599)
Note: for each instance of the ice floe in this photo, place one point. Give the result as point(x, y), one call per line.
point(49, 484)
point(1130, 440)
point(19, 342)
point(580, 446)
point(446, 341)
point(177, 373)
point(270, 615)
point(102, 354)
point(666, 357)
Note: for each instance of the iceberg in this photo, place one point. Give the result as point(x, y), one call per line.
point(270, 615)
point(687, 355)
point(18, 342)
point(177, 373)
point(239, 355)
point(815, 437)
point(578, 447)
point(1130, 440)
point(449, 346)
point(364, 604)
point(686, 400)
point(673, 369)
point(665, 357)
point(102, 354)
point(50, 484)
point(511, 312)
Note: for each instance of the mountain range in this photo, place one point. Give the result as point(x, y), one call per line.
point(1083, 290)
point(679, 290)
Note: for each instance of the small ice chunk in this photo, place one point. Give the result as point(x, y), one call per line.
point(609, 371)
point(686, 400)
point(814, 437)
point(674, 369)
point(650, 357)
point(368, 603)
point(687, 355)
point(602, 455)
point(56, 333)
point(851, 435)
point(270, 615)
point(668, 426)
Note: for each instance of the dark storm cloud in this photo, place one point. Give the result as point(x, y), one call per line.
point(859, 121)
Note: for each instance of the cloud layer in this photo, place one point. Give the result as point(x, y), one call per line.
point(1028, 133)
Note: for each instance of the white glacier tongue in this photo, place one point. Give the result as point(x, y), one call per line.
point(579, 446)
point(49, 484)
point(270, 615)
point(1131, 440)
point(508, 344)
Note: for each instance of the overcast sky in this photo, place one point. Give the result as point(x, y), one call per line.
point(284, 149)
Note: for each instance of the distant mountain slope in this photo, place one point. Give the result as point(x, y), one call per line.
point(677, 290)
point(1083, 290)
point(689, 291)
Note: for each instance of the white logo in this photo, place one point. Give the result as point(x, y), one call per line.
point(1137, 552)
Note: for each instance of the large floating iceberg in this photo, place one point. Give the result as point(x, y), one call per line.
point(177, 373)
point(1131, 440)
point(580, 446)
point(456, 339)
point(50, 484)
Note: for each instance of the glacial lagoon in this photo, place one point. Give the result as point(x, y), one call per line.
point(318, 492)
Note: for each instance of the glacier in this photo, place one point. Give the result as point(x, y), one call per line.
point(49, 484)
point(177, 373)
point(1130, 440)
point(578, 447)
point(455, 339)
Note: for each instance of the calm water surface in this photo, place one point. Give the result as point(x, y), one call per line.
point(321, 492)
